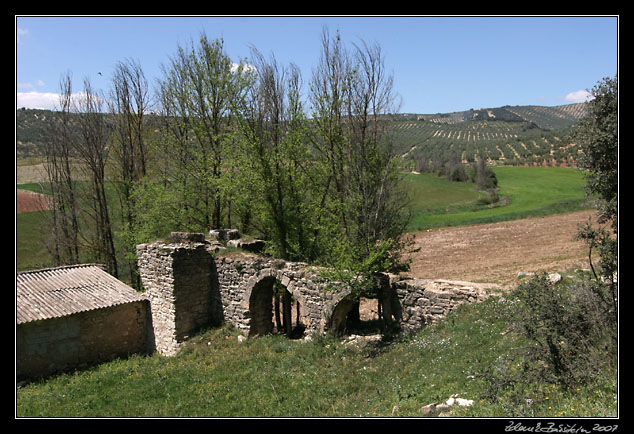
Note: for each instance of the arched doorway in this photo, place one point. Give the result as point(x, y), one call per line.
point(339, 317)
point(261, 322)
point(273, 309)
point(367, 316)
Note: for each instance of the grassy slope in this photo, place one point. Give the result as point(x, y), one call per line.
point(217, 376)
point(529, 191)
point(272, 376)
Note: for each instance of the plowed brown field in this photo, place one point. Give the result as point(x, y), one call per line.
point(497, 252)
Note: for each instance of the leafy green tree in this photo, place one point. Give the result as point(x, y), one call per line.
point(275, 163)
point(197, 96)
point(597, 137)
point(157, 210)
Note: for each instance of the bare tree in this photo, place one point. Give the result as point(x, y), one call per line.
point(352, 97)
point(92, 151)
point(64, 225)
point(330, 83)
point(128, 104)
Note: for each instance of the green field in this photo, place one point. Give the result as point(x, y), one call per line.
point(524, 192)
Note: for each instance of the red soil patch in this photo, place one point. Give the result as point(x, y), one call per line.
point(27, 201)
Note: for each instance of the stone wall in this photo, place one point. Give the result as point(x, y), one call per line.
point(190, 285)
point(82, 339)
point(426, 301)
point(241, 277)
point(178, 278)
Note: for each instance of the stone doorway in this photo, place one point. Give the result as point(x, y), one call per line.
point(274, 309)
point(356, 317)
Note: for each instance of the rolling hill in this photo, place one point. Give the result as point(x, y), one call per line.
point(515, 135)
point(505, 135)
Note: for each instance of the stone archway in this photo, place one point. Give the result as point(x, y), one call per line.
point(261, 314)
point(339, 316)
point(274, 307)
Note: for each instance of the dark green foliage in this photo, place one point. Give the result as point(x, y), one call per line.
point(598, 138)
point(571, 329)
point(484, 177)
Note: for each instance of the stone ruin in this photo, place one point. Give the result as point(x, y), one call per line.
point(192, 282)
point(222, 238)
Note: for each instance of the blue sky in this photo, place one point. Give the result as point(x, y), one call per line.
point(440, 64)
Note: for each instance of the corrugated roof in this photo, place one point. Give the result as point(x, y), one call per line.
point(57, 292)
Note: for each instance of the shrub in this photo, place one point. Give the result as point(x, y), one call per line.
point(570, 327)
point(568, 334)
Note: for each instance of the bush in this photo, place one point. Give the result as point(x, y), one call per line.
point(491, 198)
point(563, 337)
point(485, 178)
point(569, 331)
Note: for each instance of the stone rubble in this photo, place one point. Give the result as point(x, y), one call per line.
point(440, 408)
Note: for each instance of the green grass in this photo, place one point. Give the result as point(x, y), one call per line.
point(30, 251)
point(524, 192)
point(217, 376)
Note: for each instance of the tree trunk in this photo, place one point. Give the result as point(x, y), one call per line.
point(278, 320)
point(286, 305)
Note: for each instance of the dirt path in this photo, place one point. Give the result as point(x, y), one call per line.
point(497, 252)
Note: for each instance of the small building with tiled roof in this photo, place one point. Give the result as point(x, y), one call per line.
point(75, 316)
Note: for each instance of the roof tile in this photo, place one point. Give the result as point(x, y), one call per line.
point(57, 292)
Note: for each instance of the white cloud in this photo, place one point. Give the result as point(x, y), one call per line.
point(25, 86)
point(29, 86)
point(245, 67)
point(578, 96)
point(37, 100)
point(49, 100)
